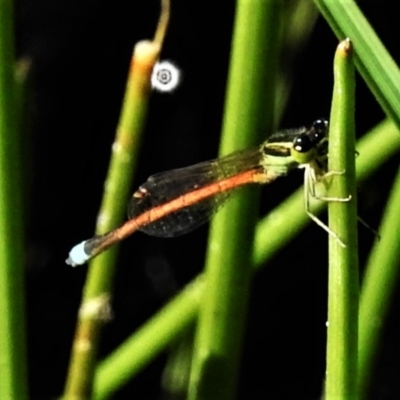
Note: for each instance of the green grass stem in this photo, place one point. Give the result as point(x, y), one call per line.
point(343, 287)
point(248, 111)
point(13, 372)
point(378, 290)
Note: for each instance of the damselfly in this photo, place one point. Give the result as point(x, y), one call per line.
point(175, 202)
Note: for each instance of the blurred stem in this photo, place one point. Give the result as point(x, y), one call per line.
point(13, 374)
point(94, 309)
point(163, 21)
point(248, 111)
point(285, 221)
point(343, 261)
point(299, 19)
point(176, 373)
point(379, 288)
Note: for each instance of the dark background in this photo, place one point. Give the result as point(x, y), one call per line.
point(80, 53)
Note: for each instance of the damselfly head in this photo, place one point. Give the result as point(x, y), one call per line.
point(309, 145)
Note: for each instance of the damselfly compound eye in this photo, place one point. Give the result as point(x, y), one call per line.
point(320, 126)
point(165, 76)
